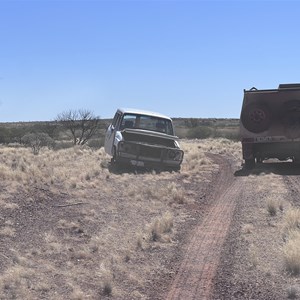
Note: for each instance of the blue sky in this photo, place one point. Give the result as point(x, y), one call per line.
point(181, 58)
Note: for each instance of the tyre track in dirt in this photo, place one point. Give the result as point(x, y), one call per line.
point(293, 186)
point(197, 270)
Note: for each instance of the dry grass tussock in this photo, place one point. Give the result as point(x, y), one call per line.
point(195, 158)
point(291, 252)
point(161, 227)
point(268, 203)
point(222, 146)
point(292, 219)
point(274, 231)
point(87, 233)
point(291, 248)
point(273, 206)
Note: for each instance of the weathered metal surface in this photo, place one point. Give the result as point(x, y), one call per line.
point(270, 123)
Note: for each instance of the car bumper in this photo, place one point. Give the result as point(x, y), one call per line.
point(141, 155)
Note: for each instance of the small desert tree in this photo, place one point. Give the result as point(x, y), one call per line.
point(82, 124)
point(37, 140)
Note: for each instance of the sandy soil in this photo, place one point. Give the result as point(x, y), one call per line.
point(236, 249)
point(252, 261)
point(58, 243)
point(197, 270)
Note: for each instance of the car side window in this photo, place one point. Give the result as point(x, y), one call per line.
point(128, 121)
point(116, 120)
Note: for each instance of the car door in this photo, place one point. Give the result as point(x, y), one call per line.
point(110, 134)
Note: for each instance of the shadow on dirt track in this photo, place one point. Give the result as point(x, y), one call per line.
point(125, 169)
point(279, 168)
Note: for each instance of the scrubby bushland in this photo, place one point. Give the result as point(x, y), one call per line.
point(96, 143)
point(91, 132)
point(103, 228)
point(12, 134)
point(37, 140)
point(82, 124)
point(204, 131)
point(200, 132)
point(191, 122)
point(201, 128)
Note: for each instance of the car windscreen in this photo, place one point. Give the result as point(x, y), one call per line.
point(145, 122)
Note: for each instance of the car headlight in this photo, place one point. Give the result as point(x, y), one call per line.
point(174, 155)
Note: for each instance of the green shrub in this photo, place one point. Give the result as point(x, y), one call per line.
point(96, 143)
point(63, 145)
point(37, 140)
point(230, 134)
point(200, 132)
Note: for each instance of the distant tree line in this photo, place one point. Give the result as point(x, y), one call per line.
point(194, 122)
point(204, 132)
point(15, 133)
point(83, 127)
point(72, 127)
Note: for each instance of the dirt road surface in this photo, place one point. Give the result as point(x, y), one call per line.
point(223, 259)
point(195, 275)
point(66, 241)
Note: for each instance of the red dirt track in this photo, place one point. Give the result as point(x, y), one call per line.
point(196, 272)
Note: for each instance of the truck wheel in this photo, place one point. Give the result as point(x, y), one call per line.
point(113, 162)
point(259, 160)
point(256, 117)
point(249, 163)
point(114, 154)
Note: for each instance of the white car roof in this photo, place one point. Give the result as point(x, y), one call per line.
point(142, 112)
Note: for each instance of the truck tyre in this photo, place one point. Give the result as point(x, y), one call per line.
point(114, 165)
point(256, 117)
point(259, 160)
point(249, 163)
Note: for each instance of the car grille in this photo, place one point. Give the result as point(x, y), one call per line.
point(152, 152)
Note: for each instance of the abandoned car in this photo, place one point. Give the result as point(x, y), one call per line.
point(270, 124)
point(143, 139)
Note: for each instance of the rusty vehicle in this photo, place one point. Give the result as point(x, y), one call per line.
point(270, 124)
point(143, 139)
